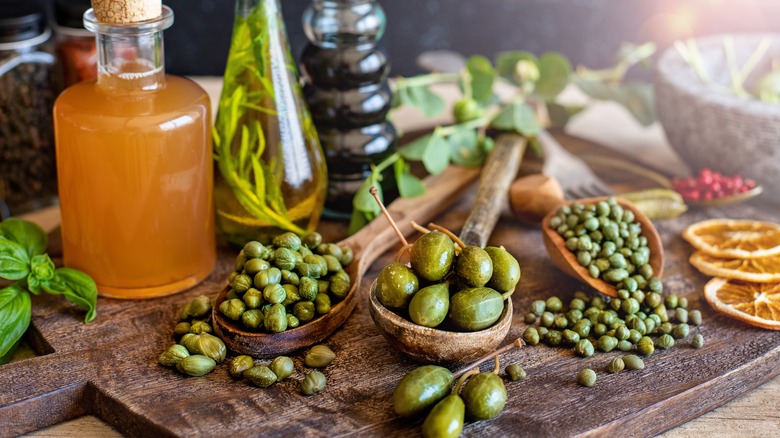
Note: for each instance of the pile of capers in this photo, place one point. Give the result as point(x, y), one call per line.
point(625, 323)
point(283, 367)
point(288, 283)
point(608, 242)
point(197, 351)
point(461, 292)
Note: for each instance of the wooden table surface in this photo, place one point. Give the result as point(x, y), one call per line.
point(754, 414)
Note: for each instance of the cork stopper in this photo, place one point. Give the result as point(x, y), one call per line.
point(126, 11)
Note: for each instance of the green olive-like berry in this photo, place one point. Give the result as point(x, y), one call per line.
point(432, 255)
point(466, 109)
point(554, 304)
point(616, 365)
point(515, 372)
point(473, 266)
point(586, 377)
point(531, 336)
point(506, 270)
point(475, 308)
point(633, 362)
point(395, 286)
point(429, 306)
point(538, 307)
point(445, 419)
point(484, 396)
point(420, 389)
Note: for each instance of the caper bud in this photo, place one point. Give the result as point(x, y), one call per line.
point(681, 330)
point(319, 356)
point(196, 365)
point(506, 270)
point(339, 284)
point(671, 301)
point(313, 383)
point(252, 319)
point(239, 364)
point(304, 311)
point(289, 277)
point(547, 319)
point(199, 307)
point(240, 260)
point(241, 283)
point(531, 336)
point(681, 315)
point(586, 377)
point(561, 322)
point(484, 396)
point(694, 316)
point(331, 249)
point(633, 362)
point(312, 240)
point(530, 318)
point(346, 256)
point(200, 327)
point(189, 342)
point(253, 266)
point(260, 376)
point(333, 263)
point(232, 308)
point(616, 365)
point(292, 321)
point(173, 355)
point(275, 320)
point(267, 277)
point(322, 304)
point(665, 341)
point(253, 298)
point(283, 367)
point(291, 295)
point(210, 346)
point(284, 258)
point(287, 240)
point(645, 346)
point(570, 337)
point(607, 343)
point(582, 328)
point(253, 249)
point(181, 328)
point(624, 345)
point(697, 341)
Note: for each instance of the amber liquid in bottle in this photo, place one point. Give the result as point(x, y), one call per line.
point(135, 173)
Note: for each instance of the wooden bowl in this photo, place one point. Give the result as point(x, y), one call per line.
point(368, 244)
point(431, 345)
point(566, 260)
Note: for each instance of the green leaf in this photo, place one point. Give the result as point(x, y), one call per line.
point(77, 287)
point(436, 157)
point(426, 100)
point(357, 221)
point(482, 77)
point(26, 233)
point(638, 98)
point(15, 314)
point(42, 267)
point(595, 89)
point(506, 61)
point(415, 150)
point(518, 117)
point(364, 201)
point(560, 114)
point(465, 149)
point(14, 261)
point(409, 186)
point(554, 73)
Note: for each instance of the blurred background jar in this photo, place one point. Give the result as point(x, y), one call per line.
point(76, 47)
point(28, 87)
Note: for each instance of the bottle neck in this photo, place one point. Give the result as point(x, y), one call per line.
point(130, 56)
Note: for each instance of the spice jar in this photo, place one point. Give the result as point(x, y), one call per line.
point(76, 47)
point(28, 88)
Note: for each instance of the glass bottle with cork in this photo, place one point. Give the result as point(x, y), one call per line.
point(134, 162)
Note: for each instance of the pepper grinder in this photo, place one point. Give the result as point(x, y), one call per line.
point(345, 86)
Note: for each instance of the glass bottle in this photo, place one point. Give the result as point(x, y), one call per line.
point(135, 169)
point(28, 87)
point(346, 89)
point(269, 167)
point(76, 46)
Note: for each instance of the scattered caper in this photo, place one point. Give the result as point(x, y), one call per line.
point(515, 372)
point(586, 377)
point(616, 365)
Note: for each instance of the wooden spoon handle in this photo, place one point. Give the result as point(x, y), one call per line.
point(497, 175)
point(377, 237)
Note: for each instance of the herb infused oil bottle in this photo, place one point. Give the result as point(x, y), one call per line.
point(347, 91)
point(134, 164)
point(270, 172)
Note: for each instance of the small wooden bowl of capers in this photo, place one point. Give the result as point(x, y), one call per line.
point(465, 310)
point(605, 242)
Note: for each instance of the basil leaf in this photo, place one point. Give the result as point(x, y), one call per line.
point(77, 287)
point(42, 267)
point(27, 234)
point(554, 72)
point(436, 157)
point(14, 261)
point(482, 77)
point(15, 314)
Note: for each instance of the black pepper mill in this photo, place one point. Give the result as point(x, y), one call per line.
point(345, 76)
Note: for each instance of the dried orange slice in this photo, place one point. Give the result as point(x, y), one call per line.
point(729, 238)
point(754, 303)
point(763, 270)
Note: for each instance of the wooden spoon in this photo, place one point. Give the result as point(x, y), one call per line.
point(567, 260)
point(433, 345)
point(367, 245)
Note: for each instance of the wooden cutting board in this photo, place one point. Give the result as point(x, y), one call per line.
point(109, 368)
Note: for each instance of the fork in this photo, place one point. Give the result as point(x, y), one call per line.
point(575, 177)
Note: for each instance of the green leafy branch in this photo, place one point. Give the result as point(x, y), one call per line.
point(537, 82)
point(24, 261)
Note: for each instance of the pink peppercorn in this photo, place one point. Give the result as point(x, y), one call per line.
point(709, 185)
